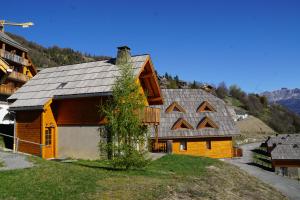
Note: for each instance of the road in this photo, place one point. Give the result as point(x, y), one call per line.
point(289, 187)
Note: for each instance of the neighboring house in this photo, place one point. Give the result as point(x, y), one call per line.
point(284, 150)
point(241, 115)
point(237, 114)
point(15, 70)
point(58, 109)
point(194, 122)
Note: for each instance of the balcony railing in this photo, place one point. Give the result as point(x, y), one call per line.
point(13, 57)
point(151, 116)
point(18, 76)
point(7, 90)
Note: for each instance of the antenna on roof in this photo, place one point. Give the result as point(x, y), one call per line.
point(23, 25)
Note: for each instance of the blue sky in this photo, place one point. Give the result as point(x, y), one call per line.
point(252, 43)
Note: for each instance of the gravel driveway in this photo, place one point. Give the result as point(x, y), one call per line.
point(13, 161)
point(289, 187)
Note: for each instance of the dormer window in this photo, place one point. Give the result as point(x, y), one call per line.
point(62, 85)
point(206, 122)
point(182, 124)
point(175, 107)
point(206, 107)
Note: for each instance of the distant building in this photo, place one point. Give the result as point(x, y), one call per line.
point(194, 122)
point(284, 150)
point(16, 69)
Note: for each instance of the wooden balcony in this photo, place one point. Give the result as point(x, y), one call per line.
point(17, 76)
point(7, 90)
point(151, 116)
point(13, 57)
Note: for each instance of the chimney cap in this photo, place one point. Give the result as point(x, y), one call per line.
point(123, 47)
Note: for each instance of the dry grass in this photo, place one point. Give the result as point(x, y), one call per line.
point(253, 129)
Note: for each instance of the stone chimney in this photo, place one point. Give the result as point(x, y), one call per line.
point(123, 55)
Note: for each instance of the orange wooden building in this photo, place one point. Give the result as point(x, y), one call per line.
point(57, 111)
point(15, 70)
point(15, 66)
point(194, 122)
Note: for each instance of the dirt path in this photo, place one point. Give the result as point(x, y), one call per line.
point(289, 187)
point(13, 161)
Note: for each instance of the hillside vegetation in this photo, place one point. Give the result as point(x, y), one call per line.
point(54, 56)
point(170, 177)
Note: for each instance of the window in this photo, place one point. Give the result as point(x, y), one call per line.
point(206, 122)
point(208, 144)
point(62, 85)
point(48, 135)
point(183, 146)
point(175, 107)
point(205, 107)
point(182, 124)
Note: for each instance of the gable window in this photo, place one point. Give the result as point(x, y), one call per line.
point(206, 107)
point(48, 136)
point(208, 144)
point(175, 107)
point(206, 122)
point(182, 124)
point(183, 145)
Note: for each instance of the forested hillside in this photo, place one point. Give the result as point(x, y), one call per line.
point(54, 56)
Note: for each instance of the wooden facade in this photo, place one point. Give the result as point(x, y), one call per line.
point(16, 67)
point(216, 147)
point(44, 123)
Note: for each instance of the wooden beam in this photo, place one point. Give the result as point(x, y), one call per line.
point(149, 75)
point(155, 99)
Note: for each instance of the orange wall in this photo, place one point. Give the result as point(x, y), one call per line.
point(28, 127)
point(220, 147)
point(48, 120)
point(81, 111)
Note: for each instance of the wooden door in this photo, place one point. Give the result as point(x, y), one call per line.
point(49, 148)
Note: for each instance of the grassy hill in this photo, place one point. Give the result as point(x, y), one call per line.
point(170, 177)
point(54, 56)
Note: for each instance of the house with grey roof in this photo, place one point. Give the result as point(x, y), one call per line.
point(284, 150)
point(57, 111)
point(194, 122)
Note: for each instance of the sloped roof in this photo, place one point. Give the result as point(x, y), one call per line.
point(190, 99)
point(86, 79)
point(283, 139)
point(8, 40)
point(286, 152)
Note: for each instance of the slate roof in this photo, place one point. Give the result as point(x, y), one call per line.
point(8, 40)
point(86, 79)
point(283, 139)
point(190, 99)
point(286, 152)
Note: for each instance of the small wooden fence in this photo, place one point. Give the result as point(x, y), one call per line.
point(159, 147)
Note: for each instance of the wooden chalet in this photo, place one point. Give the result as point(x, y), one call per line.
point(284, 150)
point(194, 122)
point(58, 109)
point(15, 70)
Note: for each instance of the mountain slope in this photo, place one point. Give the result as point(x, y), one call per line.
point(289, 98)
point(54, 56)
